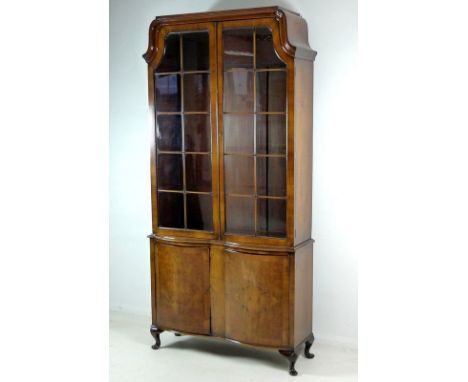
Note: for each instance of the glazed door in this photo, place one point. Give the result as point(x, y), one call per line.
point(253, 118)
point(184, 163)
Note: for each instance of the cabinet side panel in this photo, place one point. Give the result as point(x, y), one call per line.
point(217, 290)
point(303, 271)
point(153, 281)
point(303, 150)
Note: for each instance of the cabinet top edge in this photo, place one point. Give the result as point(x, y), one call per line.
point(183, 241)
point(293, 28)
point(222, 15)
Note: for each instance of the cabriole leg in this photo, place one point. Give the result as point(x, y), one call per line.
point(291, 355)
point(155, 332)
point(308, 344)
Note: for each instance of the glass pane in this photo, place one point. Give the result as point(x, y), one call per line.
point(271, 215)
point(271, 176)
point(238, 133)
point(170, 172)
point(167, 92)
point(266, 55)
point(238, 91)
point(170, 62)
point(197, 132)
point(238, 48)
point(240, 215)
point(196, 51)
point(171, 209)
point(271, 134)
point(271, 91)
point(199, 212)
point(169, 133)
point(239, 174)
point(198, 172)
point(196, 92)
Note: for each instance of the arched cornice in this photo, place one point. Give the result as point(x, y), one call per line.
point(292, 28)
point(154, 30)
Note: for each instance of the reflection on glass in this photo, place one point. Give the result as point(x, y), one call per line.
point(171, 209)
point(238, 91)
point(198, 172)
point(271, 217)
point(197, 132)
point(196, 51)
point(271, 91)
point(170, 172)
point(238, 133)
point(266, 55)
point(170, 62)
point(271, 176)
point(240, 215)
point(199, 212)
point(169, 133)
point(238, 48)
point(239, 174)
point(271, 134)
point(167, 92)
point(196, 92)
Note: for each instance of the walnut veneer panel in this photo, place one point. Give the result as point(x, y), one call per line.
point(257, 299)
point(183, 288)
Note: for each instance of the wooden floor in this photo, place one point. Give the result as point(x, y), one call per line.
point(200, 359)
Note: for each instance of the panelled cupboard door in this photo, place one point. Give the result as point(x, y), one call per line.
point(182, 88)
point(255, 97)
point(256, 298)
point(183, 288)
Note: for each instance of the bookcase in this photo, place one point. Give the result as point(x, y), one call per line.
point(230, 97)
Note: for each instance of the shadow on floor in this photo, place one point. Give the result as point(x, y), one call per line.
point(227, 349)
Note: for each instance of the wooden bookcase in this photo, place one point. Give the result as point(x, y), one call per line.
point(230, 95)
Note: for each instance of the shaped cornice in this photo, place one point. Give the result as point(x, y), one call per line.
point(292, 28)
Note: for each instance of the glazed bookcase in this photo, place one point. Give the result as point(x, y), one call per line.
point(230, 95)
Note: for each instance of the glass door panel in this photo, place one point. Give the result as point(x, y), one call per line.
point(271, 217)
point(183, 132)
point(196, 92)
point(170, 174)
point(168, 93)
point(238, 91)
point(198, 172)
point(197, 132)
point(271, 134)
point(199, 212)
point(254, 133)
point(266, 57)
point(238, 48)
point(169, 132)
point(271, 91)
point(239, 174)
point(239, 134)
point(271, 176)
point(196, 51)
point(239, 213)
point(171, 209)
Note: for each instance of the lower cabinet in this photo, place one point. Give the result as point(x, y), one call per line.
point(253, 296)
point(256, 295)
point(183, 288)
point(242, 296)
